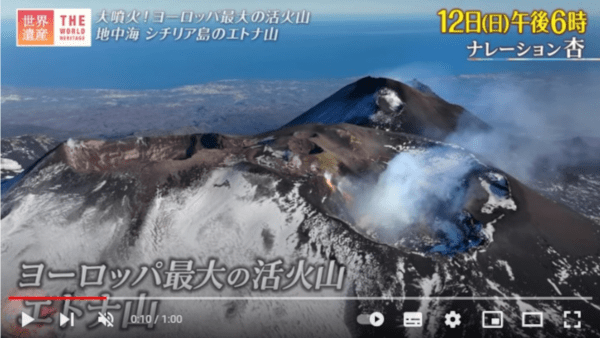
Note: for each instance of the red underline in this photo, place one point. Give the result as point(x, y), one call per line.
point(56, 298)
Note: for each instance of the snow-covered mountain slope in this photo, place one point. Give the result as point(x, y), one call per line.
point(18, 153)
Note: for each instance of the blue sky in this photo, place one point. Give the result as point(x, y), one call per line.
point(379, 7)
point(390, 36)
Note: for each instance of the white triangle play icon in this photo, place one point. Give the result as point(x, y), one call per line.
point(25, 319)
point(376, 319)
point(63, 319)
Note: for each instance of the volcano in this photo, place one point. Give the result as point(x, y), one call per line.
point(391, 105)
point(363, 179)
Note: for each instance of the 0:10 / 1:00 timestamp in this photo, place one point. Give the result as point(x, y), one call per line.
point(147, 319)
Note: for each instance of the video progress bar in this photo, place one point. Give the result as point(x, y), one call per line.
point(358, 298)
point(39, 298)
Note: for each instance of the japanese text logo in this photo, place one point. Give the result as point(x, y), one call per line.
point(54, 27)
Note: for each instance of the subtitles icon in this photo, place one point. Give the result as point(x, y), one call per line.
point(532, 319)
point(492, 319)
point(413, 319)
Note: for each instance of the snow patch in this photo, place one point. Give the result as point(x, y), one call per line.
point(555, 287)
point(489, 229)
point(296, 162)
point(495, 286)
point(525, 307)
point(391, 97)
point(494, 202)
point(10, 165)
point(99, 186)
point(504, 264)
point(73, 144)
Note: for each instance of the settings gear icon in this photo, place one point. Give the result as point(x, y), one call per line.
point(452, 319)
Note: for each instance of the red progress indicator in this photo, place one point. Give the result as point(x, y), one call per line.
point(56, 298)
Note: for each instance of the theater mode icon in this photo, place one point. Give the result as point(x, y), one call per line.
point(532, 319)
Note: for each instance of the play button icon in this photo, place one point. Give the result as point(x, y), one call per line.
point(25, 319)
point(64, 319)
point(376, 319)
